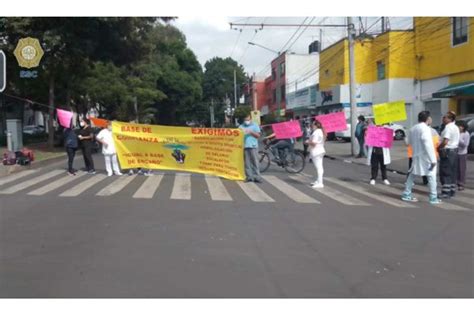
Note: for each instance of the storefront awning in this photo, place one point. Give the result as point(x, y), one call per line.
point(465, 89)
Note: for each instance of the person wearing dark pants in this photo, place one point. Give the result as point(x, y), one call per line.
point(71, 143)
point(360, 135)
point(464, 140)
point(86, 137)
point(378, 156)
point(448, 152)
point(251, 134)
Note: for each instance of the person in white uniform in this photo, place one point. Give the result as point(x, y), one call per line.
point(317, 151)
point(448, 153)
point(108, 150)
point(424, 159)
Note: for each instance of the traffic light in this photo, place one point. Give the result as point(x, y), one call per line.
point(3, 71)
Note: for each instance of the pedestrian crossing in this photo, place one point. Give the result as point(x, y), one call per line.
point(186, 187)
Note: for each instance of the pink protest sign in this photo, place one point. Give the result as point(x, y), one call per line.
point(333, 122)
point(284, 130)
point(64, 118)
point(379, 137)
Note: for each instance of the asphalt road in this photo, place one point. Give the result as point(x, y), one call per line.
point(287, 240)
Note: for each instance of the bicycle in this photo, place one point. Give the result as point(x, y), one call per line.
point(292, 161)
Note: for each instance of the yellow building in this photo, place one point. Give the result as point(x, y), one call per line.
point(444, 49)
point(430, 67)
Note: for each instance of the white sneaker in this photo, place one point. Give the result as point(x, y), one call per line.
point(119, 174)
point(386, 182)
point(372, 182)
point(109, 174)
point(317, 186)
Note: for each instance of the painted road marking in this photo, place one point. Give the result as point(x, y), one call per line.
point(332, 193)
point(254, 192)
point(84, 185)
point(217, 189)
point(17, 176)
point(116, 186)
point(56, 184)
point(31, 182)
point(290, 191)
point(149, 187)
point(446, 205)
point(181, 187)
point(359, 189)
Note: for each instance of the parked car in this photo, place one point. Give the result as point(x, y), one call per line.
point(33, 129)
point(399, 132)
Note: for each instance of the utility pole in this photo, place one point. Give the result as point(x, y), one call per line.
point(135, 106)
point(235, 89)
point(352, 83)
point(383, 24)
point(320, 40)
point(254, 92)
point(212, 112)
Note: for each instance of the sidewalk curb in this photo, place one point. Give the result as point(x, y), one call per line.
point(362, 164)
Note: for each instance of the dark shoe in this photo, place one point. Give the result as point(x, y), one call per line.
point(248, 180)
point(257, 181)
point(460, 188)
point(91, 171)
point(444, 196)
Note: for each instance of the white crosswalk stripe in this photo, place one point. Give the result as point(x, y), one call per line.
point(31, 182)
point(332, 193)
point(290, 191)
point(116, 186)
point(446, 205)
point(181, 187)
point(17, 176)
point(83, 186)
point(149, 187)
point(358, 187)
point(254, 192)
point(217, 189)
point(56, 184)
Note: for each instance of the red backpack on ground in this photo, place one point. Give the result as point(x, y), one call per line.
point(28, 153)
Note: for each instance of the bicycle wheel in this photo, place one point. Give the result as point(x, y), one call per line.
point(263, 161)
point(295, 162)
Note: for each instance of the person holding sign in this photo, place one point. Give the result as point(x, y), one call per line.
point(378, 156)
point(317, 151)
point(108, 150)
point(252, 133)
point(424, 159)
point(86, 136)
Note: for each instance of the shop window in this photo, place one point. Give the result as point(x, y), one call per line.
point(460, 27)
point(380, 70)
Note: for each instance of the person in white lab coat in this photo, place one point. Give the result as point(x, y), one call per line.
point(424, 159)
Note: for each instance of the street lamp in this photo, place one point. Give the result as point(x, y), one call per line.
point(269, 49)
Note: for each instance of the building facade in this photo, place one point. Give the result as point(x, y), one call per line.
point(430, 67)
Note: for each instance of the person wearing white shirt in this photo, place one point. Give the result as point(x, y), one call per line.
point(317, 151)
point(424, 159)
point(108, 150)
point(448, 152)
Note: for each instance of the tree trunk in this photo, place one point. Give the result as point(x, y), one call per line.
point(51, 112)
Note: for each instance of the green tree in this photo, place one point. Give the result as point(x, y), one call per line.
point(218, 81)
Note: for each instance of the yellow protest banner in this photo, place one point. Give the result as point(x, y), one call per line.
point(255, 117)
point(216, 151)
point(389, 112)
